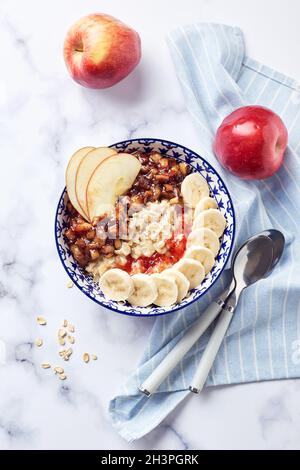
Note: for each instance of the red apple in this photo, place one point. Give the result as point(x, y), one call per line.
point(251, 142)
point(100, 50)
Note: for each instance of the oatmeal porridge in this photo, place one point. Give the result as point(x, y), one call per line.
point(151, 235)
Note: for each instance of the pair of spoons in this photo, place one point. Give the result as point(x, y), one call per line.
point(254, 261)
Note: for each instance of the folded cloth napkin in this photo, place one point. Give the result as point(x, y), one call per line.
point(263, 341)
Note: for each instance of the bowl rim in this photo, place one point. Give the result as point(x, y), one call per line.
point(180, 306)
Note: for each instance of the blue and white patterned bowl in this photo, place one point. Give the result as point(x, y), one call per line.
point(218, 190)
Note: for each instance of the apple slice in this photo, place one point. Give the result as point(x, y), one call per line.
point(85, 170)
point(112, 178)
point(71, 171)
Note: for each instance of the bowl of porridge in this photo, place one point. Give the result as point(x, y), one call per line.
point(144, 227)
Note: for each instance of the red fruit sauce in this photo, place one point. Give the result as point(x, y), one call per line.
point(157, 262)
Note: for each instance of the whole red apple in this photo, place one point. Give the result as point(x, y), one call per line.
point(251, 142)
point(100, 50)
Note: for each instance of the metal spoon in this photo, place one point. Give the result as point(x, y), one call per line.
point(278, 244)
point(255, 260)
point(195, 331)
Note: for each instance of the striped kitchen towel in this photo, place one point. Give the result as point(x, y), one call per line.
point(263, 341)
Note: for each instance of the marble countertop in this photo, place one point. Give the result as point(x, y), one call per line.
point(44, 118)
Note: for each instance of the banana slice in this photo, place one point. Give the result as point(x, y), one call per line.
point(145, 291)
point(204, 255)
point(193, 188)
point(204, 204)
point(192, 270)
point(182, 282)
point(213, 219)
point(116, 284)
point(204, 237)
point(167, 291)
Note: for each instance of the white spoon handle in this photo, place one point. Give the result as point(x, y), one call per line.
point(181, 348)
point(211, 351)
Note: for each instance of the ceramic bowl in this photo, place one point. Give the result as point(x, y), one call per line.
point(218, 191)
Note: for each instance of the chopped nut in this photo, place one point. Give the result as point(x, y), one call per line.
point(71, 328)
point(168, 187)
point(164, 162)
point(62, 376)
point(80, 243)
point(156, 193)
point(62, 352)
point(183, 168)
point(155, 156)
point(94, 254)
point(82, 227)
point(71, 339)
point(61, 341)
point(46, 365)
point(65, 324)
point(107, 250)
point(38, 342)
point(175, 169)
point(94, 357)
point(162, 178)
point(86, 357)
point(174, 200)
point(70, 234)
point(70, 284)
point(91, 234)
point(117, 244)
point(58, 370)
point(41, 321)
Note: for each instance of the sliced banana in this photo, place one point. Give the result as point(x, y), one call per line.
point(204, 204)
point(182, 282)
point(145, 290)
point(192, 270)
point(204, 237)
point(167, 291)
point(213, 219)
point(204, 255)
point(193, 188)
point(116, 284)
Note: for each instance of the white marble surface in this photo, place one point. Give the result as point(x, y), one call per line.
point(44, 118)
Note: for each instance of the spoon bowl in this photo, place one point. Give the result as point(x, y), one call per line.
point(253, 261)
point(278, 244)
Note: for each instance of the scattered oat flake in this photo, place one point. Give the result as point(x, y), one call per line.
point(70, 284)
point(39, 342)
point(71, 328)
point(58, 370)
point(94, 357)
point(62, 376)
point(41, 321)
point(86, 357)
point(66, 353)
point(46, 365)
point(61, 333)
point(71, 339)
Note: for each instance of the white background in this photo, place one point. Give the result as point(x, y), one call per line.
point(45, 117)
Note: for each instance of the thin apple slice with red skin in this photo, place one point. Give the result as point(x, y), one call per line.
point(71, 171)
point(112, 178)
point(85, 170)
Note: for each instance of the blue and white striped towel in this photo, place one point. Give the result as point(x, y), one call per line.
point(263, 341)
